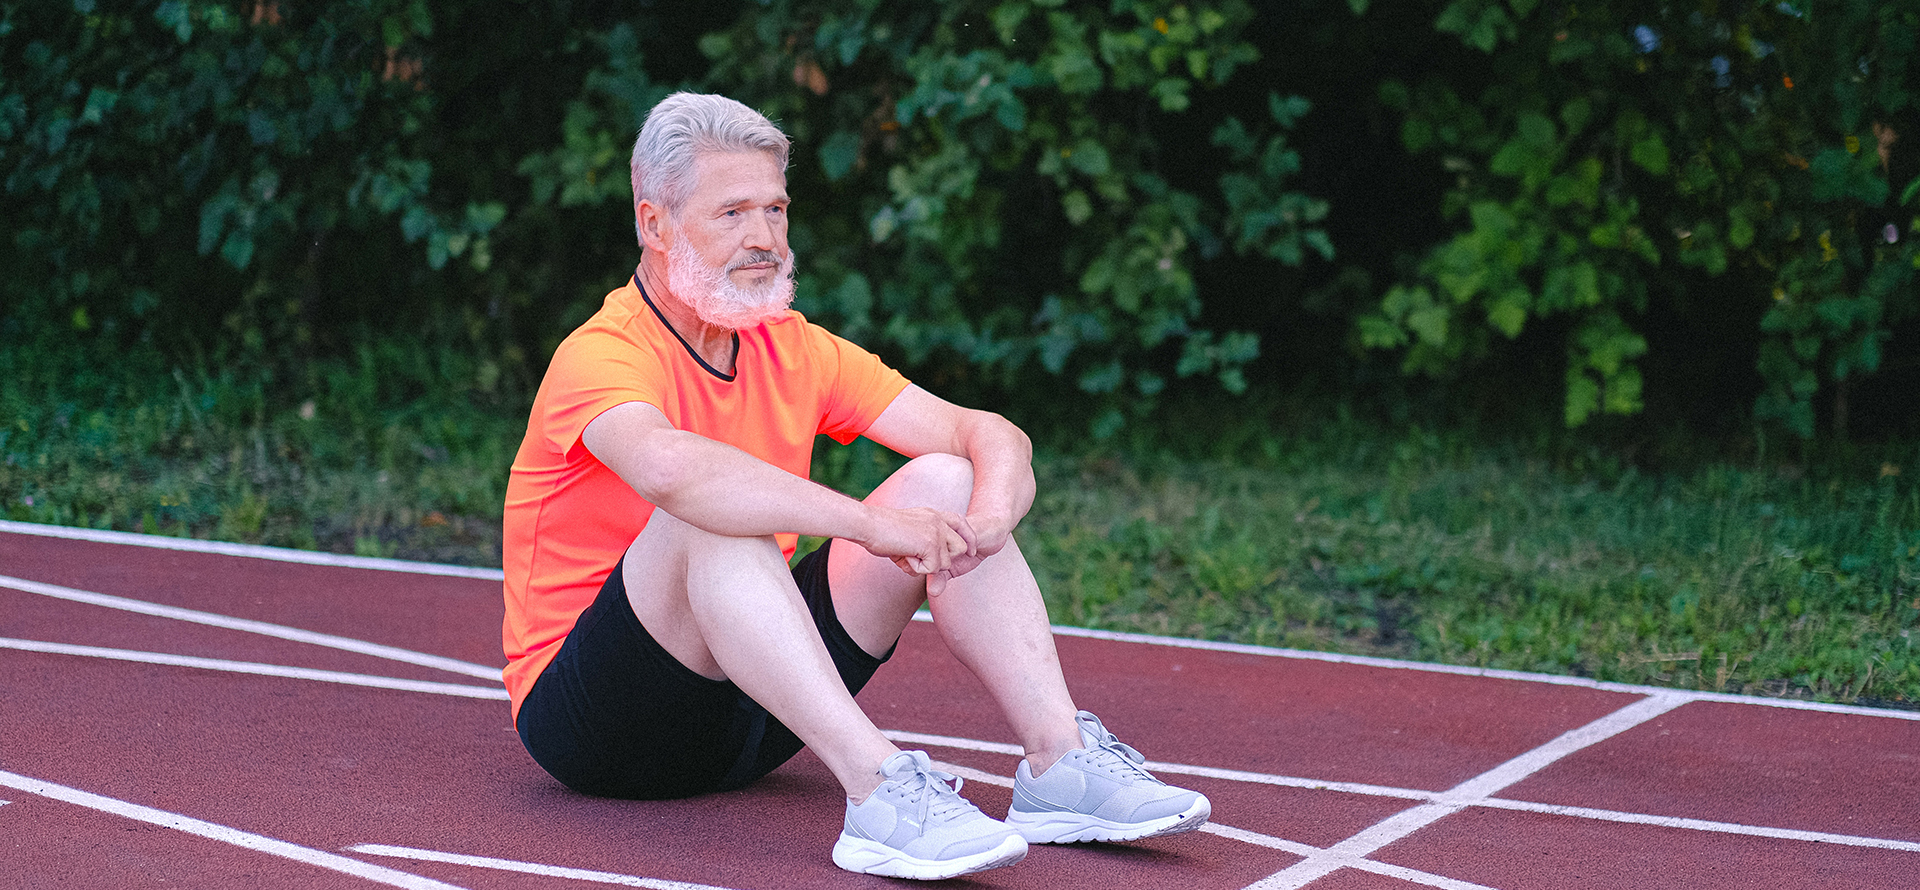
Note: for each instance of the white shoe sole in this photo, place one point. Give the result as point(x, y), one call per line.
point(1073, 828)
point(875, 858)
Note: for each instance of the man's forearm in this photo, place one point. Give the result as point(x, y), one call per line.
point(1003, 485)
point(722, 489)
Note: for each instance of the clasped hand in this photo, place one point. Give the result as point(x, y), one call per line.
point(936, 544)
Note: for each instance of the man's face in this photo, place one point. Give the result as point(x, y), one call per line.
point(728, 257)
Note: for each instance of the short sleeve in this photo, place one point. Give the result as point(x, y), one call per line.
point(592, 371)
point(858, 384)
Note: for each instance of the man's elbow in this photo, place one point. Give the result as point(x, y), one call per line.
point(665, 465)
point(1009, 435)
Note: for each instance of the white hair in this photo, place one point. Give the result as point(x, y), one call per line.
point(681, 127)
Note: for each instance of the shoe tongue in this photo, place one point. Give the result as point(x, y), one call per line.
point(906, 762)
point(1093, 733)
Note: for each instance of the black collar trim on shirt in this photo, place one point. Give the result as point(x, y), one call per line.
point(683, 341)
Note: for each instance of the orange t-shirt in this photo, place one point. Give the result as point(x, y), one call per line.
point(569, 518)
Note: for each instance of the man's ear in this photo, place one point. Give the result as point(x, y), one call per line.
point(653, 224)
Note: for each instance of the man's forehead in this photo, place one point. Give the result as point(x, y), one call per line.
point(732, 177)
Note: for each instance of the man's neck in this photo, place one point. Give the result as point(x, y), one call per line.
point(712, 343)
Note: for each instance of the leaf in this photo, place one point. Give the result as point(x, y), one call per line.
point(417, 222)
point(1571, 287)
point(1288, 110)
point(1579, 185)
point(483, 217)
point(1376, 332)
point(1429, 323)
point(1538, 131)
point(237, 250)
point(1829, 171)
point(1650, 153)
point(1740, 229)
point(1576, 113)
point(100, 102)
point(1091, 158)
point(1076, 206)
point(1508, 312)
point(1171, 93)
point(838, 153)
point(1623, 392)
point(1104, 378)
point(1583, 397)
point(174, 16)
point(1513, 157)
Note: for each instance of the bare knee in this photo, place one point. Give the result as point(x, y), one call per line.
point(941, 481)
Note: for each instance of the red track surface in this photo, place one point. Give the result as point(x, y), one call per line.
point(1336, 774)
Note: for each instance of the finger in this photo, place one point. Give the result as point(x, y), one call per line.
point(936, 583)
point(986, 539)
point(962, 565)
point(937, 559)
point(964, 529)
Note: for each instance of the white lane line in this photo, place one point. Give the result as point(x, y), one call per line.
point(1251, 837)
point(530, 868)
point(234, 836)
point(1791, 834)
point(1403, 873)
point(252, 551)
point(1257, 839)
point(1231, 775)
point(1485, 784)
point(1736, 828)
point(1468, 793)
point(947, 741)
point(265, 670)
point(280, 631)
point(282, 554)
point(1459, 670)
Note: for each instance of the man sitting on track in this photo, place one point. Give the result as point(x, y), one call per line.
point(658, 643)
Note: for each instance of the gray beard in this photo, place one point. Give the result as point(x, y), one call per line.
point(716, 299)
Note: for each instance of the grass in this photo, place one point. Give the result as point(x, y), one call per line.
point(1721, 579)
point(1772, 580)
point(397, 452)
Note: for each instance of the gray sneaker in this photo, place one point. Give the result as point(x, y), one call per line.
point(916, 825)
point(1100, 792)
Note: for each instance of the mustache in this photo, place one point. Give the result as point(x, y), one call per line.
point(755, 256)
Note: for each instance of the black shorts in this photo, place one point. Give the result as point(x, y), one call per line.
point(615, 715)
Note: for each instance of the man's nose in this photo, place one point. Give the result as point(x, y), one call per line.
point(759, 233)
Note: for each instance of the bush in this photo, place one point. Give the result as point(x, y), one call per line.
point(986, 188)
point(1711, 160)
point(989, 190)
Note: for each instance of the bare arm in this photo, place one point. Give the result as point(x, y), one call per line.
point(918, 422)
point(719, 488)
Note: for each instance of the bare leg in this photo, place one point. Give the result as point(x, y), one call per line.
point(992, 618)
point(728, 609)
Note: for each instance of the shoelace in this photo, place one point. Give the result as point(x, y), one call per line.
point(933, 792)
point(1120, 756)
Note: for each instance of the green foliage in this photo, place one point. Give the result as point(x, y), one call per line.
point(397, 451)
point(1424, 545)
point(992, 189)
point(1329, 535)
point(166, 164)
point(1712, 157)
point(987, 191)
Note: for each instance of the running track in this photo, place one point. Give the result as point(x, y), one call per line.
point(177, 713)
